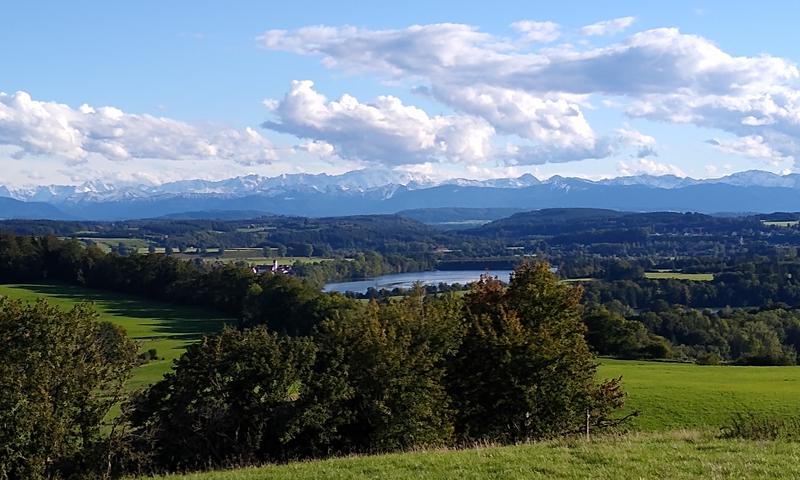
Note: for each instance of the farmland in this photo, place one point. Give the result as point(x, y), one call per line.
point(165, 327)
point(674, 455)
point(666, 275)
point(678, 395)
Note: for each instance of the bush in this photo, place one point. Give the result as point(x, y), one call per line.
point(237, 397)
point(758, 427)
point(505, 364)
point(524, 369)
point(60, 373)
point(395, 356)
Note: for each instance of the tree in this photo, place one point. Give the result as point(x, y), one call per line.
point(60, 373)
point(524, 369)
point(237, 397)
point(288, 305)
point(396, 355)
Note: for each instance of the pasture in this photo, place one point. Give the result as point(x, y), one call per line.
point(673, 455)
point(667, 275)
point(679, 396)
point(167, 328)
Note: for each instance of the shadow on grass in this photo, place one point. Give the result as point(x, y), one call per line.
point(169, 321)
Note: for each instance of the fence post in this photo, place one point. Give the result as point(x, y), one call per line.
point(588, 416)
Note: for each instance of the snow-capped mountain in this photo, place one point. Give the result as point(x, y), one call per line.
point(383, 182)
point(388, 191)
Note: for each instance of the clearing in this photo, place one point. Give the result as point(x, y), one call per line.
point(166, 327)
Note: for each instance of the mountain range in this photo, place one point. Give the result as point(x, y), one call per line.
point(380, 191)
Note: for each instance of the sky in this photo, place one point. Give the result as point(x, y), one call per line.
point(154, 91)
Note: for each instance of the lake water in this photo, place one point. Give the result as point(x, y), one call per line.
point(407, 280)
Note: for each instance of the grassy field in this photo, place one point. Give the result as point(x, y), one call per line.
point(108, 244)
point(675, 395)
point(697, 277)
point(165, 327)
point(676, 455)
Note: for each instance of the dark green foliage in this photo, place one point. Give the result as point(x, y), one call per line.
point(237, 397)
point(287, 305)
point(524, 369)
point(750, 426)
point(60, 373)
point(504, 365)
point(395, 356)
point(609, 333)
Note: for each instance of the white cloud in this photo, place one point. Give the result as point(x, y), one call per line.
point(555, 119)
point(537, 32)
point(608, 27)
point(751, 147)
point(661, 74)
point(644, 166)
point(43, 128)
point(386, 131)
point(645, 145)
point(548, 153)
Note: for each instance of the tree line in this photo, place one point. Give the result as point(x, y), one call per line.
point(304, 374)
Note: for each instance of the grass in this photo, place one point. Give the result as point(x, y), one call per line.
point(167, 328)
point(676, 395)
point(108, 244)
point(682, 409)
point(664, 275)
point(675, 455)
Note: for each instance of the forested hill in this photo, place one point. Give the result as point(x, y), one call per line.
point(399, 234)
point(559, 221)
point(366, 232)
point(10, 208)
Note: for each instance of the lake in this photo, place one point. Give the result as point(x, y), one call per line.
point(407, 280)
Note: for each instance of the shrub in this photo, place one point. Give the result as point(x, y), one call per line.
point(237, 397)
point(524, 369)
point(750, 426)
point(395, 357)
point(60, 373)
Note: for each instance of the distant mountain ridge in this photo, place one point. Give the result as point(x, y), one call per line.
point(382, 191)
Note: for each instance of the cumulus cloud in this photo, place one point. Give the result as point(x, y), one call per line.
point(752, 146)
point(542, 153)
point(645, 145)
point(554, 119)
point(608, 27)
point(43, 128)
point(386, 131)
point(659, 74)
point(538, 32)
point(644, 166)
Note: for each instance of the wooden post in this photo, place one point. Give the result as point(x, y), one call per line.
point(588, 416)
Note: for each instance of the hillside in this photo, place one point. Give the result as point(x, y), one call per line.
point(10, 208)
point(676, 455)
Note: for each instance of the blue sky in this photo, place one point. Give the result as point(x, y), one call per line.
point(205, 89)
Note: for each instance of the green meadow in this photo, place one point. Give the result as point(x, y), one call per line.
point(167, 328)
point(680, 395)
point(667, 455)
point(665, 275)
